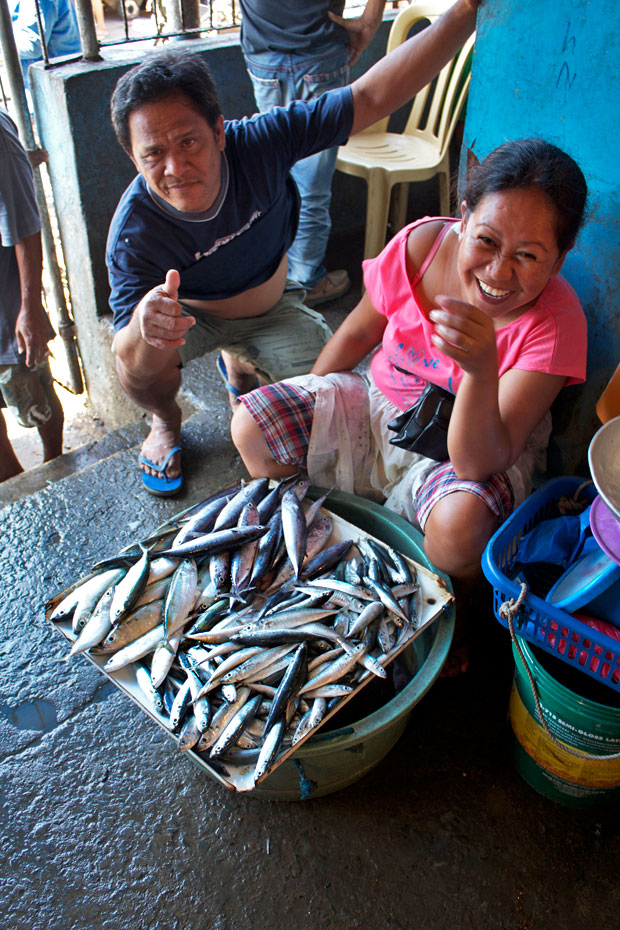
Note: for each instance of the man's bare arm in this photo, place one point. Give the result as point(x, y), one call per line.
point(397, 77)
point(32, 326)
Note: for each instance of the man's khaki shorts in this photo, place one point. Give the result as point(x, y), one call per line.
point(282, 343)
point(26, 392)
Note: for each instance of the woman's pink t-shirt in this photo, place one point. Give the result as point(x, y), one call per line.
point(550, 337)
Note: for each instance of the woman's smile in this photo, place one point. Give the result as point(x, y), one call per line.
point(507, 252)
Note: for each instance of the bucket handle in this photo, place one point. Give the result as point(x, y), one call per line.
point(508, 611)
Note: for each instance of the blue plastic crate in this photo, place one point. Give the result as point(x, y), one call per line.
point(539, 622)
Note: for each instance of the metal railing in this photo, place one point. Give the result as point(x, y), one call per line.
point(169, 19)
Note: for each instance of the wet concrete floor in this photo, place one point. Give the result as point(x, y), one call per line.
point(106, 825)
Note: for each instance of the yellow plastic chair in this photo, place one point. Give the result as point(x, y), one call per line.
point(385, 159)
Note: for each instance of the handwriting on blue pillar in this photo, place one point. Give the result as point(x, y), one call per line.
point(566, 75)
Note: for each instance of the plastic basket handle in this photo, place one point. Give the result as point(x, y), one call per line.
point(508, 611)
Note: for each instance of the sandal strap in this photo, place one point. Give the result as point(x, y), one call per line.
point(159, 468)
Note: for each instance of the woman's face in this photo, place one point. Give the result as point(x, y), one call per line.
point(508, 250)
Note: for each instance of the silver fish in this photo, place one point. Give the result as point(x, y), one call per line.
point(153, 592)
point(253, 491)
point(181, 705)
point(304, 726)
point(189, 734)
point(136, 624)
point(371, 612)
point(296, 616)
point(91, 593)
point(318, 534)
point(386, 634)
point(269, 751)
point(143, 679)
point(129, 589)
point(202, 713)
point(344, 587)
point(373, 665)
point(335, 670)
point(404, 572)
point(221, 718)
point(325, 657)
point(159, 568)
point(163, 657)
point(216, 541)
point(242, 559)
point(136, 650)
point(236, 725)
point(386, 597)
point(98, 627)
point(181, 596)
point(330, 690)
point(256, 664)
point(295, 529)
point(291, 680)
point(266, 549)
point(201, 521)
point(68, 603)
point(233, 661)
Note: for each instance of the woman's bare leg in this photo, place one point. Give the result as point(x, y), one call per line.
point(253, 449)
point(456, 533)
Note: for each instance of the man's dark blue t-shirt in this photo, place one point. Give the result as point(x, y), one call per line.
point(239, 243)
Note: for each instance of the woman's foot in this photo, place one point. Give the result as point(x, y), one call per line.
point(458, 659)
point(457, 662)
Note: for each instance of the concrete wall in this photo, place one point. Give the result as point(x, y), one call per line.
point(90, 171)
point(553, 72)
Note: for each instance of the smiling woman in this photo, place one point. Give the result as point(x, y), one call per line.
point(509, 250)
point(476, 307)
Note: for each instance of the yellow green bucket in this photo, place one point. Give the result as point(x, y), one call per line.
point(576, 723)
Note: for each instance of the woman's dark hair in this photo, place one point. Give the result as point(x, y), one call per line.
point(163, 75)
point(534, 163)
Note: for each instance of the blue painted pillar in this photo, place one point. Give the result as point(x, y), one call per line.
point(551, 70)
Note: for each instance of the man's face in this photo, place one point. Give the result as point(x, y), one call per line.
point(177, 152)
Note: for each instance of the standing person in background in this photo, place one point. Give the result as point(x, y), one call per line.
point(59, 26)
point(25, 378)
point(296, 50)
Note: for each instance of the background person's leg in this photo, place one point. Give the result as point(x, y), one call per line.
point(277, 80)
point(9, 463)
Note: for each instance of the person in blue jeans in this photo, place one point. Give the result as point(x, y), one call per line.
point(59, 27)
point(297, 51)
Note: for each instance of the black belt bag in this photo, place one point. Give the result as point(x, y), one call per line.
point(424, 427)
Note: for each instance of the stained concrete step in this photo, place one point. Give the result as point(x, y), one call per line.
point(34, 479)
point(202, 392)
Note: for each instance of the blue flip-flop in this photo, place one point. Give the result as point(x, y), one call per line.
point(160, 485)
point(221, 367)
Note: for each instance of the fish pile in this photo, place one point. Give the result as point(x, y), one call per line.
point(244, 627)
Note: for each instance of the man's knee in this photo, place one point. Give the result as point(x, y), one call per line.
point(162, 370)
